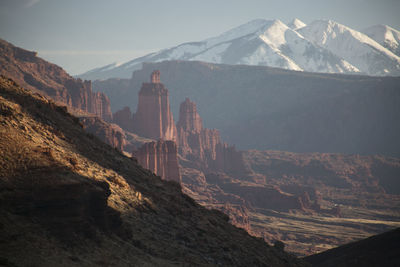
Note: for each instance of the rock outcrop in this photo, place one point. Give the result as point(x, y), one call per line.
point(48, 79)
point(204, 146)
point(189, 119)
point(153, 118)
point(124, 118)
point(160, 157)
point(108, 133)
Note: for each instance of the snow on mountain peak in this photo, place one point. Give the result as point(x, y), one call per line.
point(321, 46)
point(353, 46)
point(274, 33)
point(385, 36)
point(245, 29)
point(296, 24)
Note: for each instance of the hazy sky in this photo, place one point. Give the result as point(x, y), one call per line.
point(80, 35)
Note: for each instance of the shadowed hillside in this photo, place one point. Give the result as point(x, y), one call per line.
point(379, 250)
point(68, 199)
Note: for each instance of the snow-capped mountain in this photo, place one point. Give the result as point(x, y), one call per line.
point(322, 46)
point(385, 36)
point(355, 47)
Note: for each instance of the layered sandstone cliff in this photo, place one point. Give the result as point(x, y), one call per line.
point(153, 118)
point(161, 158)
point(40, 76)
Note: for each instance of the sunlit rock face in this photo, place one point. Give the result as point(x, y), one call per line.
point(48, 79)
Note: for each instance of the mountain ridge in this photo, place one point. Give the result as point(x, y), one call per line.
point(270, 43)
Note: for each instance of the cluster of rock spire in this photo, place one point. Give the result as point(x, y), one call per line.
point(153, 119)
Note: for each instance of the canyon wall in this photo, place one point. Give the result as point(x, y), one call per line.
point(40, 76)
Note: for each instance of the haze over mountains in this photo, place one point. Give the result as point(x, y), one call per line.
point(321, 46)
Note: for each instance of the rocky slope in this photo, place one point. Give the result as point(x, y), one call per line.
point(379, 250)
point(265, 108)
point(322, 46)
point(45, 78)
point(67, 199)
point(109, 133)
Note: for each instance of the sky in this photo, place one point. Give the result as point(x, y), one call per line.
point(80, 35)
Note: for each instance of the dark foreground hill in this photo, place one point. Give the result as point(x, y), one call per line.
point(262, 108)
point(68, 199)
point(379, 250)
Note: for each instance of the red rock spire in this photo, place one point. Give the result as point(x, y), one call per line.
point(189, 119)
point(155, 76)
point(153, 118)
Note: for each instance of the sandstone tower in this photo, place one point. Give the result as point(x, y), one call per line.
point(161, 158)
point(153, 118)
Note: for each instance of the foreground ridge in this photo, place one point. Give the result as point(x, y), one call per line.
point(68, 199)
point(377, 250)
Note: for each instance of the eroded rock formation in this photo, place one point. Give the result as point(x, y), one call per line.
point(189, 119)
point(40, 76)
point(161, 158)
point(153, 118)
point(203, 145)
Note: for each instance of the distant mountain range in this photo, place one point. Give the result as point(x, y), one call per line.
point(322, 46)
